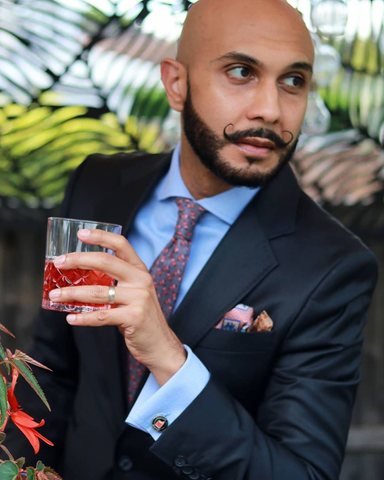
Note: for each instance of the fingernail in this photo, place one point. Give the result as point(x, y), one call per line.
point(54, 293)
point(71, 318)
point(59, 260)
point(84, 233)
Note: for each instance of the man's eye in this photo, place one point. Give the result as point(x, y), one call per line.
point(294, 81)
point(240, 72)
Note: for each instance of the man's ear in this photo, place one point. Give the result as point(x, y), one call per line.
point(174, 78)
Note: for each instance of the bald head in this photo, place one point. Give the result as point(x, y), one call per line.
point(211, 23)
point(243, 71)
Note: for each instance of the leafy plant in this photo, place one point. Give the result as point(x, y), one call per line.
point(11, 366)
point(40, 146)
point(76, 77)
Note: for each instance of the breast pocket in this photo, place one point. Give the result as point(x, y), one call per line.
point(240, 362)
point(235, 342)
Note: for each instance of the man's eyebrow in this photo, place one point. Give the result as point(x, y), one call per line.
point(301, 66)
point(239, 57)
point(243, 57)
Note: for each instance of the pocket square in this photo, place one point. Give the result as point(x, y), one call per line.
point(239, 319)
point(263, 323)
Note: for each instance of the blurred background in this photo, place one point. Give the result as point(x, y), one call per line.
point(82, 76)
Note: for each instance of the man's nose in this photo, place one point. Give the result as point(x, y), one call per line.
point(265, 103)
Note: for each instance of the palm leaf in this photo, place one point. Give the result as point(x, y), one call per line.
point(83, 76)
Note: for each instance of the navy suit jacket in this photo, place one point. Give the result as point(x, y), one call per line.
point(278, 405)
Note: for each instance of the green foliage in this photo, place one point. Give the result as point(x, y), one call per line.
point(19, 363)
point(356, 94)
point(41, 146)
point(20, 462)
point(67, 95)
point(26, 372)
point(90, 82)
point(3, 401)
point(358, 100)
point(9, 470)
point(31, 475)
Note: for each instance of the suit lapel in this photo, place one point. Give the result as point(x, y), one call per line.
point(242, 260)
point(136, 181)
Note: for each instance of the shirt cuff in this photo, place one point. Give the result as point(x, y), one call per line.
point(172, 398)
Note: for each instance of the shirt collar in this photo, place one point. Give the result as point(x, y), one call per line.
point(226, 205)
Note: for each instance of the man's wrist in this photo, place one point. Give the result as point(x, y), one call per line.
point(172, 399)
point(169, 365)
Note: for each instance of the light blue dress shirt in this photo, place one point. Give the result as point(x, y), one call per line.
point(152, 229)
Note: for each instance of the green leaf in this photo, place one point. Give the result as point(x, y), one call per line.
point(41, 476)
point(31, 473)
point(2, 437)
point(7, 363)
point(30, 118)
point(25, 371)
point(3, 401)
point(9, 470)
point(20, 462)
point(50, 470)
point(4, 329)
point(2, 352)
point(51, 474)
point(40, 466)
point(13, 110)
point(26, 358)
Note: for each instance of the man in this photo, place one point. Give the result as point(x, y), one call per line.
point(217, 404)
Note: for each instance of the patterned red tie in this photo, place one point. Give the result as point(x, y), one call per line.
point(167, 272)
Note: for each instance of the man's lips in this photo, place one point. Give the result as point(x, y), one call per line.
point(257, 142)
point(259, 147)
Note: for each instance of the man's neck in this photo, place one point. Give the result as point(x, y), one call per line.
point(200, 181)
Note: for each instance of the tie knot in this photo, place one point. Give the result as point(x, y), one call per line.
point(189, 214)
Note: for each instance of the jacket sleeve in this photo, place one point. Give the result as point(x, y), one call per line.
point(301, 427)
point(53, 346)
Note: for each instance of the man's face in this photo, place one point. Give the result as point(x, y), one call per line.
point(247, 93)
point(207, 145)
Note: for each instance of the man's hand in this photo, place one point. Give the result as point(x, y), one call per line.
point(138, 314)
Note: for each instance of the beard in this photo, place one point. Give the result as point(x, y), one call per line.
point(207, 145)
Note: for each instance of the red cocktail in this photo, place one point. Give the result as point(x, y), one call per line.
point(62, 239)
point(56, 278)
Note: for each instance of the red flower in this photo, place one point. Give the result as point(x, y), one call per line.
point(22, 420)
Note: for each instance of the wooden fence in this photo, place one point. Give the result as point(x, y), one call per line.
point(22, 243)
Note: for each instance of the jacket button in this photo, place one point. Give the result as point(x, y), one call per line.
point(180, 461)
point(125, 463)
point(187, 470)
point(195, 475)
